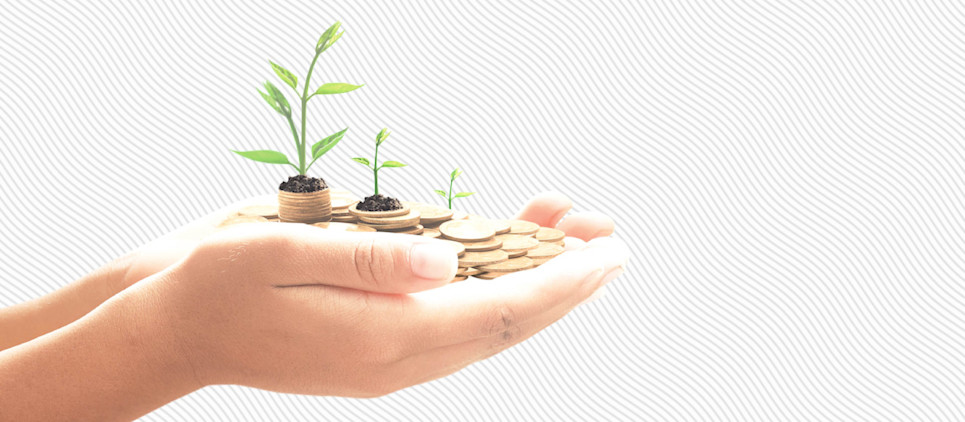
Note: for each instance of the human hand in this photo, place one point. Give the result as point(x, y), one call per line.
point(298, 309)
point(546, 209)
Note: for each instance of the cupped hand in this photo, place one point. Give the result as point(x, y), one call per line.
point(298, 309)
point(546, 209)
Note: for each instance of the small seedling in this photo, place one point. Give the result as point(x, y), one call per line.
point(279, 103)
point(448, 195)
point(374, 165)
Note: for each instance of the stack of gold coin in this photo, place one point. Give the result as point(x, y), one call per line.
point(404, 220)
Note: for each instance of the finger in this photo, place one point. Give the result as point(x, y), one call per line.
point(587, 225)
point(299, 255)
point(480, 308)
point(546, 209)
point(442, 361)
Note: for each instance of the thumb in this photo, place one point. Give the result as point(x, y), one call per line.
point(375, 262)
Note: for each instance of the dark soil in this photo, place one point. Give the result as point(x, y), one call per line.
point(303, 183)
point(379, 203)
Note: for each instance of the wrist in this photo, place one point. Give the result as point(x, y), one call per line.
point(117, 362)
point(150, 328)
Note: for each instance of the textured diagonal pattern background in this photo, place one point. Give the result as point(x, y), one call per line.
point(798, 246)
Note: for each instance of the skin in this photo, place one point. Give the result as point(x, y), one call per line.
point(285, 308)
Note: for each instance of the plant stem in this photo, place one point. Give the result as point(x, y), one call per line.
point(375, 166)
point(451, 180)
point(304, 98)
point(291, 124)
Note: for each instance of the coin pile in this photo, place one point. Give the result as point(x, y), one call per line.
point(487, 249)
point(495, 248)
point(404, 220)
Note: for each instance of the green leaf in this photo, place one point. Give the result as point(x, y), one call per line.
point(264, 156)
point(332, 40)
point(392, 164)
point(361, 160)
point(455, 173)
point(442, 193)
point(382, 136)
point(285, 75)
point(325, 40)
point(279, 98)
point(463, 194)
point(323, 146)
point(270, 101)
point(336, 88)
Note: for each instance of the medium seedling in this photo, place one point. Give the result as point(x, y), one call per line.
point(374, 165)
point(448, 195)
point(279, 103)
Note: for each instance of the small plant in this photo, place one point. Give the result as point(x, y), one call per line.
point(374, 165)
point(279, 103)
point(448, 195)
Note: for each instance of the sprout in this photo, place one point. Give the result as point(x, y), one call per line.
point(448, 195)
point(374, 165)
point(276, 99)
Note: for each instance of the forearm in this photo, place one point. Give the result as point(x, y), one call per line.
point(23, 322)
point(116, 363)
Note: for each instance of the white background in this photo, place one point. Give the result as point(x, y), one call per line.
point(788, 175)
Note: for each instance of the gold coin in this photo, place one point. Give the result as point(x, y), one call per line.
point(354, 209)
point(467, 230)
point(433, 233)
point(485, 245)
point(388, 227)
point(473, 259)
point(545, 250)
point(432, 225)
point(459, 215)
point(523, 227)
point(341, 203)
point(343, 227)
point(489, 276)
point(514, 242)
point(459, 278)
point(241, 219)
point(457, 247)
point(509, 265)
point(516, 253)
point(344, 219)
point(546, 234)
point(264, 210)
point(501, 226)
point(418, 229)
point(308, 220)
point(430, 213)
point(468, 271)
point(409, 219)
point(539, 261)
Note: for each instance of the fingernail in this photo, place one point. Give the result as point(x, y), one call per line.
point(595, 296)
point(614, 273)
point(433, 261)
